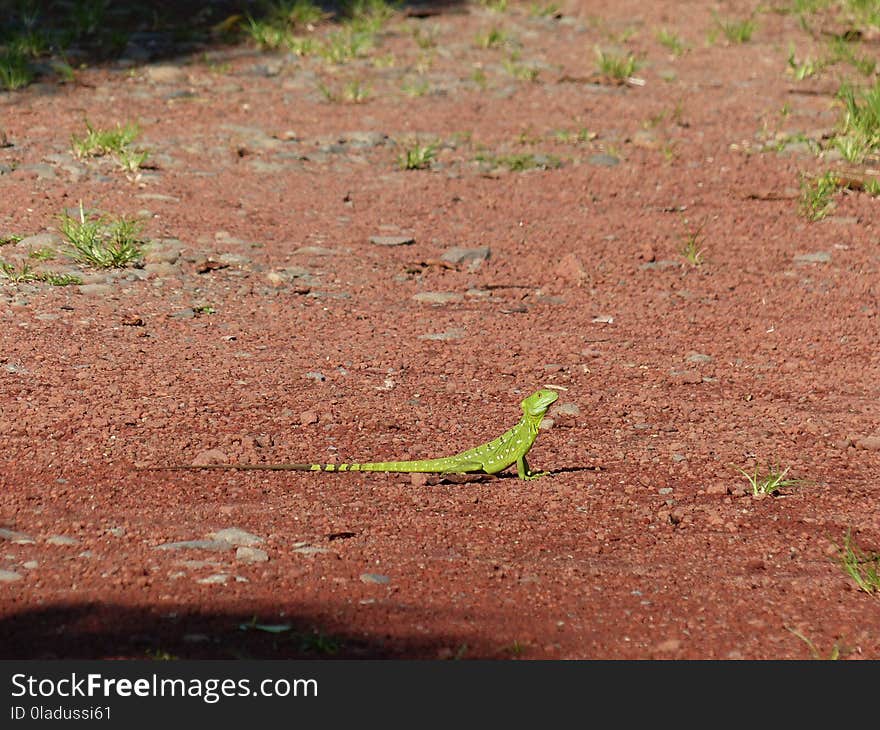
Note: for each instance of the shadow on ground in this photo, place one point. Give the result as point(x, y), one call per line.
point(93, 32)
point(106, 631)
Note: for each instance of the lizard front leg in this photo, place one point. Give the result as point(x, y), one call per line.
point(524, 472)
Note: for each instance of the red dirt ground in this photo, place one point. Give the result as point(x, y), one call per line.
point(265, 325)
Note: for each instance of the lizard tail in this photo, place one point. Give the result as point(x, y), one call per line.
point(437, 466)
point(237, 467)
point(384, 466)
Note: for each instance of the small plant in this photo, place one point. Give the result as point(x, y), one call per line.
point(328, 93)
point(424, 62)
point(10, 238)
point(478, 76)
point(736, 31)
point(65, 71)
point(301, 46)
point(160, 655)
point(865, 12)
point(296, 13)
point(861, 120)
point(803, 69)
point(816, 195)
point(132, 160)
point(369, 16)
point(319, 643)
point(42, 254)
point(97, 142)
point(771, 481)
point(88, 16)
point(496, 6)
point(418, 157)
point(669, 39)
point(102, 243)
point(55, 279)
point(23, 274)
point(344, 45)
point(520, 71)
point(15, 72)
point(544, 10)
point(842, 51)
point(282, 18)
point(355, 92)
point(425, 38)
point(862, 567)
point(692, 249)
point(833, 655)
point(268, 35)
point(668, 150)
point(415, 87)
point(492, 38)
point(204, 309)
point(808, 6)
point(32, 42)
point(851, 147)
point(521, 162)
point(579, 136)
point(615, 65)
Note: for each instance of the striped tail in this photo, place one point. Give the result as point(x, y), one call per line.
point(430, 466)
point(435, 466)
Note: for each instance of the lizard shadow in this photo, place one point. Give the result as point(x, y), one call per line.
point(482, 477)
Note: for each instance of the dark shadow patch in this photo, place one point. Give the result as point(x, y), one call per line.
point(108, 631)
point(68, 33)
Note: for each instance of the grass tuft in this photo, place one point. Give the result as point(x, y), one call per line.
point(97, 142)
point(670, 40)
point(816, 195)
point(25, 273)
point(520, 71)
point(15, 71)
point(545, 10)
point(770, 481)
point(521, 161)
point(861, 121)
point(101, 242)
point(616, 65)
point(415, 87)
point(736, 31)
point(862, 567)
point(116, 142)
point(833, 655)
point(418, 156)
point(692, 248)
point(355, 91)
point(491, 38)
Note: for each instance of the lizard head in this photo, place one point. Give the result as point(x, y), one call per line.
point(537, 403)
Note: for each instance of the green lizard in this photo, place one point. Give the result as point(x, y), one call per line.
point(508, 449)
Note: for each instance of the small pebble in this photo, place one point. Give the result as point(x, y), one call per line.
point(375, 578)
point(236, 536)
point(251, 555)
point(392, 240)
